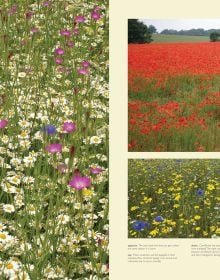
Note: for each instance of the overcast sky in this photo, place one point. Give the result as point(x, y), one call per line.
point(184, 24)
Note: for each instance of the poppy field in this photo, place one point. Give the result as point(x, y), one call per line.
point(54, 140)
point(174, 97)
point(174, 198)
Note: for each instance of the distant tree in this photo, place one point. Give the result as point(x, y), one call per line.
point(169, 31)
point(190, 32)
point(214, 37)
point(152, 29)
point(138, 32)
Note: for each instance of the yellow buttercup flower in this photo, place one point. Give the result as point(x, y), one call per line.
point(133, 208)
point(177, 197)
point(197, 217)
point(160, 191)
point(165, 230)
point(154, 232)
point(210, 187)
point(87, 192)
point(212, 228)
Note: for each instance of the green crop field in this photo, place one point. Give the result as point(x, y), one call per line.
point(160, 38)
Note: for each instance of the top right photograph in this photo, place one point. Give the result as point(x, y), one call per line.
point(174, 85)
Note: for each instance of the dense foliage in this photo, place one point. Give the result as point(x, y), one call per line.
point(138, 32)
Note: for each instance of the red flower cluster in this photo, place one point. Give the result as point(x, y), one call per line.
point(154, 60)
point(163, 114)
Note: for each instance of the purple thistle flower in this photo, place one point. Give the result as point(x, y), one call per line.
point(24, 42)
point(46, 3)
point(79, 19)
point(75, 31)
point(58, 60)
point(95, 15)
point(62, 167)
point(96, 8)
point(85, 64)
point(95, 170)
point(70, 44)
point(13, 10)
point(59, 51)
point(65, 32)
point(29, 15)
point(54, 148)
point(83, 71)
point(49, 129)
point(34, 30)
point(69, 127)
point(78, 182)
point(3, 123)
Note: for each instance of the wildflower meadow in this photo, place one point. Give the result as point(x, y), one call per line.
point(174, 198)
point(174, 97)
point(53, 140)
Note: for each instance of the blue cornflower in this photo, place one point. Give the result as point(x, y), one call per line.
point(49, 129)
point(139, 225)
point(159, 219)
point(200, 192)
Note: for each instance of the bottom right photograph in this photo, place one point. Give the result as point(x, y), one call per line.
point(173, 198)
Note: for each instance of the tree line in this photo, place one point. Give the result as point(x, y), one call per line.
point(190, 32)
point(139, 33)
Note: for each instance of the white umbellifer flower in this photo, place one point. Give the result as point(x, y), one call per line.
point(15, 180)
point(25, 144)
point(102, 157)
point(15, 161)
point(24, 124)
point(53, 273)
point(28, 180)
point(23, 275)
point(94, 234)
point(2, 150)
point(31, 209)
point(19, 200)
point(8, 188)
point(5, 139)
point(101, 214)
point(38, 135)
point(103, 200)
point(21, 74)
point(6, 241)
point(11, 268)
point(95, 140)
point(106, 227)
point(2, 226)
point(2, 162)
point(63, 219)
point(23, 135)
point(90, 216)
point(29, 161)
point(8, 208)
point(77, 205)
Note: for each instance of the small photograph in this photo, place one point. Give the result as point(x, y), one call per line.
point(173, 198)
point(174, 85)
